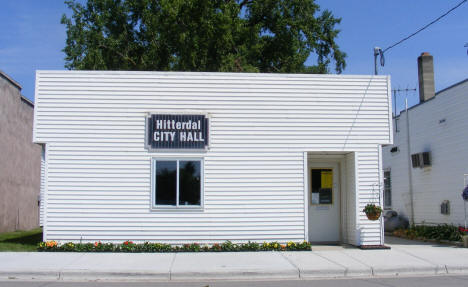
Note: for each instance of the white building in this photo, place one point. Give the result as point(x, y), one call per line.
point(431, 174)
point(270, 157)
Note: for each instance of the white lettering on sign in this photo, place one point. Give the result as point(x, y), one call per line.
point(191, 137)
point(176, 125)
point(178, 131)
point(164, 136)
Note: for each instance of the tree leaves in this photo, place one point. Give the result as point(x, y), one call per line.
point(201, 35)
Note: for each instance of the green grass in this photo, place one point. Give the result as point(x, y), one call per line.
point(20, 240)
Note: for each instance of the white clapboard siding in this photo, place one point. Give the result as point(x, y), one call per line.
point(99, 173)
point(42, 188)
point(351, 185)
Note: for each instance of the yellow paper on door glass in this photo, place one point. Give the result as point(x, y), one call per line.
point(327, 179)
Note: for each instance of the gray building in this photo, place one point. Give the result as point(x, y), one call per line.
point(20, 160)
point(425, 170)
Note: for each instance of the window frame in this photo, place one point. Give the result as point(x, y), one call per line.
point(385, 191)
point(332, 189)
point(154, 206)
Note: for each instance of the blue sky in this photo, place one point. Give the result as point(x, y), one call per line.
point(31, 38)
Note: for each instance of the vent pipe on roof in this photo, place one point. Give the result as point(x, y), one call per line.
point(426, 77)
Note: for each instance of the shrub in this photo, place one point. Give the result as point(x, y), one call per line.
point(435, 232)
point(250, 246)
point(154, 247)
point(229, 246)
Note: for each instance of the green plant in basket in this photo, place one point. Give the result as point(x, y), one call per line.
point(372, 211)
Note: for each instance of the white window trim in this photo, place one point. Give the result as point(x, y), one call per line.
point(177, 207)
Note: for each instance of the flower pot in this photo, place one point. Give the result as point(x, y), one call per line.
point(373, 215)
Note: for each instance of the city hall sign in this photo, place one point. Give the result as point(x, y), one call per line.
point(177, 131)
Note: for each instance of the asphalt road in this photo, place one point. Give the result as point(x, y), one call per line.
point(427, 281)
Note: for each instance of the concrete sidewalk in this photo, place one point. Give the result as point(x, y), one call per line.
point(405, 258)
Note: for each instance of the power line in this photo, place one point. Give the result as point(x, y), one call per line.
point(440, 17)
point(380, 52)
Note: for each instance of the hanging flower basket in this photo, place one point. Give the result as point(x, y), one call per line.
point(372, 211)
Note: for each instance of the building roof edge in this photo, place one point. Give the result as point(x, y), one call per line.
point(9, 79)
point(441, 91)
point(452, 86)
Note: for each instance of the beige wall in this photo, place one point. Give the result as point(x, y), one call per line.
point(20, 160)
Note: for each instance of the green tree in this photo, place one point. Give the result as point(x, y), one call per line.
point(202, 35)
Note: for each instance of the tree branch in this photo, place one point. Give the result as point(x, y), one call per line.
point(245, 2)
point(118, 53)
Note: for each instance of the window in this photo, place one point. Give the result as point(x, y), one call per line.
point(394, 149)
point(387, 189)
point(322, 186)
point(397, 126)
point(177, 183)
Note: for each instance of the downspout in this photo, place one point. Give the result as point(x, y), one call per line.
point(410, 171)
point(381, 199)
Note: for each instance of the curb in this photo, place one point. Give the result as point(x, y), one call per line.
point(86, 275)
point(30, 275)
point(234, 275)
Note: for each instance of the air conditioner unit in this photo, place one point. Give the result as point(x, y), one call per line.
point(415, 160)
point(426, 158)
point(421, 160)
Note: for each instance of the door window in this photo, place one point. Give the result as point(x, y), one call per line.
point(322, 186)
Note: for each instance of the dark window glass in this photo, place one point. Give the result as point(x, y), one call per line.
point(316, 180)
point(322, 186)
point(166, 182)
point(387, 189)
point(189, 183)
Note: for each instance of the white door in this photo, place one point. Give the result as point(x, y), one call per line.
point(324, 202)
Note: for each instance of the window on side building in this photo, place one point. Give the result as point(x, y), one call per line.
point(397, 125)
point(177, 183)
point(387, 189)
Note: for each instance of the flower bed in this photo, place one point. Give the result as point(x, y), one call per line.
point(129, 246)
point(443, 232)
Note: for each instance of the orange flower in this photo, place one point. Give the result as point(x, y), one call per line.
point(51, 243)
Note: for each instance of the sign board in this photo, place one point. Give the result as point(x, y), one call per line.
point(327, 179)
point(177, 131)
